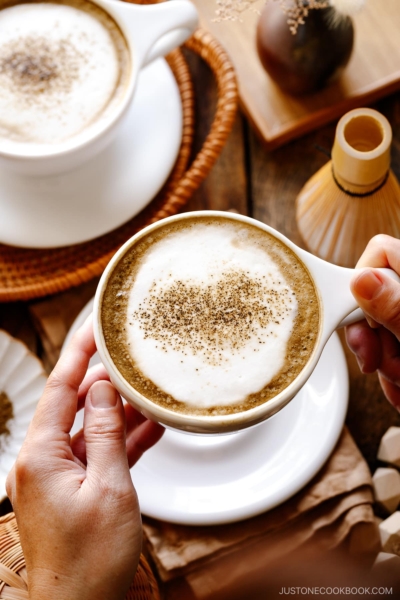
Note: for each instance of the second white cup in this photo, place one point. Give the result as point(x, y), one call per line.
point(149, 32)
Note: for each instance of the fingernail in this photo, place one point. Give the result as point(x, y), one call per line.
point(360, 363)
point(372, 323)
point(103, 395)
point(367, 285)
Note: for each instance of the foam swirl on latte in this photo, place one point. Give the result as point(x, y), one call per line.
point(209, 316)
point(63, 66)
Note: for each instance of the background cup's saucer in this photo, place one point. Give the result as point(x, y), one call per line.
point(107, 191)
point(208, 480)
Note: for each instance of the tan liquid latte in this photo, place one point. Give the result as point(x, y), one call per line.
point(210, 316)
point(64, 66)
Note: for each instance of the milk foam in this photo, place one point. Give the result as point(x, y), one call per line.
point(59, 69)
point(209, 315)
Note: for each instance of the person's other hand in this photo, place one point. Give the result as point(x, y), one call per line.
point(375, 341)
point(75, 504)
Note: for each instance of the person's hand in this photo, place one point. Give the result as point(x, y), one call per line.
point(375, 341)
point(75, 504)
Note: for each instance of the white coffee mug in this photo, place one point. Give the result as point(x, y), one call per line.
point(336, 301)
point(150, 32)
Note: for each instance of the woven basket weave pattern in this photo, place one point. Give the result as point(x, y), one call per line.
point(27, 274)
point(13, 575)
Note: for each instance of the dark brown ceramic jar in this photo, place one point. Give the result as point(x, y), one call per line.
point(306, 61)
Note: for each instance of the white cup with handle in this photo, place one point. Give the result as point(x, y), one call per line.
point(337, 307)
point(150, 32)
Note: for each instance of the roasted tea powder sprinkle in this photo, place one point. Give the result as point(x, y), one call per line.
point(35, 67)
point(225, 315)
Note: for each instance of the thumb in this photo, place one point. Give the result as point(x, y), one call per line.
point(379, 297)
point(104, 433)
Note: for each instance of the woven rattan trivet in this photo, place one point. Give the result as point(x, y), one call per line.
point(13, 575)
point(27, 274)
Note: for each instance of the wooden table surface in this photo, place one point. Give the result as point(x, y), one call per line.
point(264, 185)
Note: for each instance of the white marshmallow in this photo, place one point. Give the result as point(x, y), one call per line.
point(386, 483)
point(386, 564)
point(389, 448)
point(389, 531)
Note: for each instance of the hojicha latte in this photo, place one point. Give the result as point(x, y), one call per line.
point(209, 316)
point(64, 66)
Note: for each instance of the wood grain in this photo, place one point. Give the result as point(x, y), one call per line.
point(373, 71)
point(225, 188)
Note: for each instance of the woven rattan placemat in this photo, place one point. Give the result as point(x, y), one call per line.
point(13, 574)
point(27, 274)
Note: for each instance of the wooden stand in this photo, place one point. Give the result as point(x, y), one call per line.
point(373, 71)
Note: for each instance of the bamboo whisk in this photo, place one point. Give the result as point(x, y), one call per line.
point(354, 196)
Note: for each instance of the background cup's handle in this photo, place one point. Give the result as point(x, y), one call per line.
point(155, 29)
point(358, 315)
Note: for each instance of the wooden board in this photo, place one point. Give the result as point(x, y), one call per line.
point(373, 71)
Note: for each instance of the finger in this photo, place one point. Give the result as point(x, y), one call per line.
point(133, 419)
point(95, 373)
point(141, 439)
point(379, 297)
point(390, 360)
point(381, 251)
point(138, 441)
point(57, 407)
point(391, 391)
point(365, 343)
point(104, 432)
point(78, 446)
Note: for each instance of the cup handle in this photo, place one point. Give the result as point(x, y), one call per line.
point(333, 283)
point(358, 315)
point(156, 29)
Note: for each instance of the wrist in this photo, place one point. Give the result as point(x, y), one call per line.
point(48, 585)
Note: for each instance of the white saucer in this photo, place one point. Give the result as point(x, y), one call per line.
point(198, 480)
point(107, 191)
point(22, 378)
